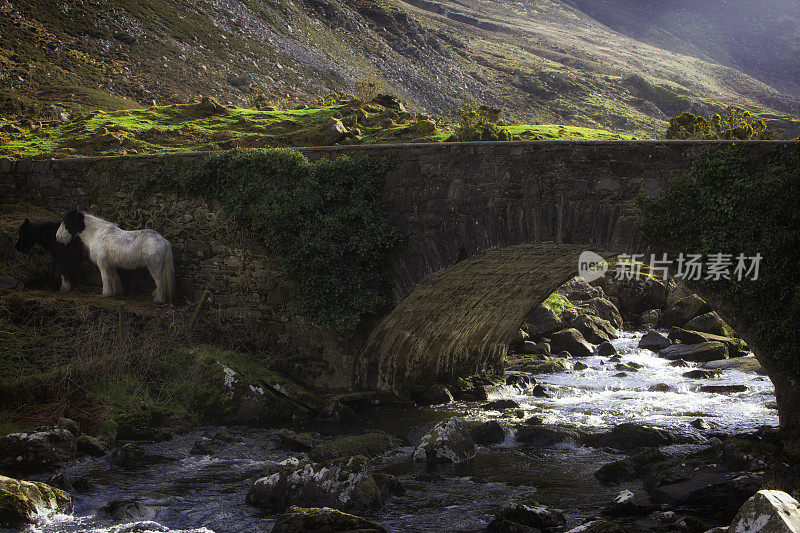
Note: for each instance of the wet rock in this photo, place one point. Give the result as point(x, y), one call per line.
point(654, 341)
point(633, 467)
point(131, 456)
point(488, 433)
point(620, 375)
point(543, 437)
point(541, 322)
point(499, 405)
point(520, 381)
point(346, 484)
point(701, 374)
point(768, 511)
point(626, 367)
point(723, 389)
point(571, 340)
point(324, 520)
point(536, 348)
point(710, 323)
point(624, 504)
point(540, 392)
point(699, 353)
point(595, 329)
point(433, 394)
point(580, 365)
point(70, 425)
point(298, 442)
point(448, 442)
point(630, 436)
point(552, 366)
point(650, 318)
point(699, 423)
point(747, 363)
point(606, 349)
point(88, 445)
point(21, 501)
point(736, 347)
point(337, 413)
point(687, 524)
point(604, 309)
point(661, 387)
point(36, 452)
point(680, 363)
point(368, 445)
point(129, 510)
point(531, 516)
point(598, 526)
point(202, 447)
point(685, 309)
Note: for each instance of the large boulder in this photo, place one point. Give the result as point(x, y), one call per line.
point(685, 309)
point(22, 501)
point(736, 347)
point(346, 484)
point(595, 329)
point(540, 322)
point(36, 452)
point(369, 445)
point(654, 341)
point(748, 363)
point(488, 433)
point(578, 290)
point(604, 309)
point(334, 131)
point(698, 353)
point(448, 442)
point(710, 323)
point(431, 394)
point(570, 340)
point(634, 296)
point(629, 437)
point(323, 520)
point(768, 511)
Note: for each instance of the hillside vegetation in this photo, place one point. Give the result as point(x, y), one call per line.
point(541, 61)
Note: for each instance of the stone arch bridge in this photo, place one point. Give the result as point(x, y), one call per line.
point(491, 230)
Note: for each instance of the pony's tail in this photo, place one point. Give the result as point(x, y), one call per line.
point(168, 275)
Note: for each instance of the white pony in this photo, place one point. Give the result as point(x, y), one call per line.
point(110, 248)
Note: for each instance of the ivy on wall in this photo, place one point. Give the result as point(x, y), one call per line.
point(325, 221)
point(731, 204)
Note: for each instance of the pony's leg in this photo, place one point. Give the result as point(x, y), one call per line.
point(66, 284)
point(154, 267)
point(116, 282)
point(108, 283)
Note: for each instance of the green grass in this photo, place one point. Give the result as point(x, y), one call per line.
point(187, 127)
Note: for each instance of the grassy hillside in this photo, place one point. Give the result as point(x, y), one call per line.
point(542, 61)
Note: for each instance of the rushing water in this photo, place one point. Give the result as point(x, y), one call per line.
point(206, 493)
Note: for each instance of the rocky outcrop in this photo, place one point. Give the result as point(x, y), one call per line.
point(571, 340)
point(21, 501)
point(768, 511)
point(448, 442)
point(431, 394)
point(36, 452)
point(323, 520)
point(346, 484)
point(604, 309)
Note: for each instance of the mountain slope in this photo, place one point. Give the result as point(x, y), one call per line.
point(540, 60)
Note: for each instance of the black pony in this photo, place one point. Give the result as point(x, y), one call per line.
point(67, 257)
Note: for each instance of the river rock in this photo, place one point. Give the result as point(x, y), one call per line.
point(571, 340)
point(369, 445)
point(488, 433)
point(499, 405)
point(698, 353)
point(595, 329)
point(722, 389)
point(88, 445)
point(536, 348)
point(530, 516)
point(131, 456)
point(636, 295)
point(520, 381)
point(70, 425)
point(736, 347)
point(432, 394)
point(542, 437)
point(202, 447)
point(630, 436)
point(661, 387)
point(650, 318)
point(701, 374)
point(578, 290)
point(598, 526)
point(654, 341)
point(336, 412)
point(552, 366)
point(685, 309)
point(298, 442)
point(540, 322)
point(129, 510)
point(346, 484)
point(768, 511)
point(606, 349)
point(580, 365)
point(21, 501)
point(633, 467)
point(710, 323)
point(323, 520)
point(604, 309)
point(448, 442)
point(679, 363)
point(36, 452)
point(748, 363)
point(624, 504)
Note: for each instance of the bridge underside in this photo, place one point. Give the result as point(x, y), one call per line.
point(461, 319)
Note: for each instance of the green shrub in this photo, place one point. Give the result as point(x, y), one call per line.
point(730, 204)
point(479, 123)
point(325, 220)
point(736, 124)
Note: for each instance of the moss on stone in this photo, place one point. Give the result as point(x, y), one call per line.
point(20, 501)
point(368, 444)
point(300, 519)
